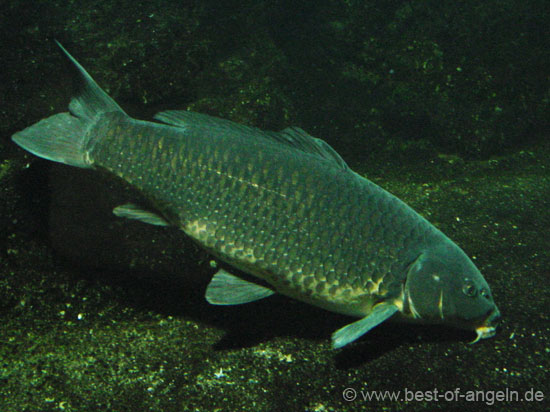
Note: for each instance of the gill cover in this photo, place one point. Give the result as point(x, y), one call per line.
point(444, 286)
point(425, 289)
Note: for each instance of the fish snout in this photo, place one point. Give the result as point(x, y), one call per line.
point(488, 328)
point(494, 318)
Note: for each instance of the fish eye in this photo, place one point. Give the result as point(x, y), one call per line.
point(469, 289)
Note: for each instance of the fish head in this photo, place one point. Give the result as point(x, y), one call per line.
point(444, 286)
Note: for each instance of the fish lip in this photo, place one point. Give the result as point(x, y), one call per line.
point(493, 318)
point(488, 328)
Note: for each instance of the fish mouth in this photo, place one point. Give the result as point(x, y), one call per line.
point(488, 328)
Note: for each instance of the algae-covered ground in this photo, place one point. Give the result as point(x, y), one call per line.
point(100, 314)
point(446, 106)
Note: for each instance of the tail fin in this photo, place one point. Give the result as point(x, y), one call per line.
point(64, 137)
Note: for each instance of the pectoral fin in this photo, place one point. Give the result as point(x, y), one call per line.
point(354, 330)
point(227, 289)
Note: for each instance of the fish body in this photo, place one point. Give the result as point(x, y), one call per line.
point(282, 206)
point(306, 224)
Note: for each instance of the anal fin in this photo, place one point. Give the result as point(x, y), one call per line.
point(131, 211)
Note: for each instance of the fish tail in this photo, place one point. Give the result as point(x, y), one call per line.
point(66, 137)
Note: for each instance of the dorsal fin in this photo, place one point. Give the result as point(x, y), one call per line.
point(294, 137)
point(298, 138)
point(194, 121)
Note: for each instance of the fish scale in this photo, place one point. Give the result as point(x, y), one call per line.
point(195, 198)
point(282, 206)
